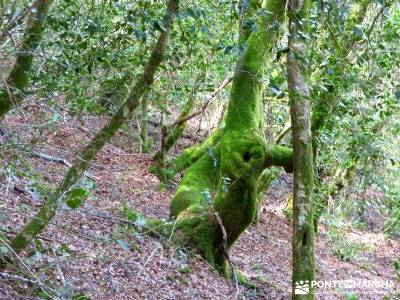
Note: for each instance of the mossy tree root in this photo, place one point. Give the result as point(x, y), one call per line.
point(47, 212)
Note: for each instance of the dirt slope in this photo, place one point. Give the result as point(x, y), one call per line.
point(94, 250)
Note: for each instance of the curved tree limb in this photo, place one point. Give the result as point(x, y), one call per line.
point(279, 156)
point(285, 130)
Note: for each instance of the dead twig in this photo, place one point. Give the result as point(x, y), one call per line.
point(205, 105)
point(51, 158)
point(226, 253)
point(36, 282)
point(380, 12)
point(59, 160)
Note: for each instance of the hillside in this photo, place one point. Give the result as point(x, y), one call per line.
point(92, 250)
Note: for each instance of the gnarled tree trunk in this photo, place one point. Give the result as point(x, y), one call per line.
point(224, 180)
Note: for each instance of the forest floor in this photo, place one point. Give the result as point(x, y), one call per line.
point(93, 249)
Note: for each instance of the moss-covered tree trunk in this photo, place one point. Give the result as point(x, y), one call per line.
point(12, 92)
point(300, 111)
point(224, 179)
point(82, 163)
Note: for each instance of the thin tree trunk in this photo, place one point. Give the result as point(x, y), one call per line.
point(47, 212)
point(285, 130)
point(145, 143)
point(12, 93)
point(171, 133)
point(303, 229)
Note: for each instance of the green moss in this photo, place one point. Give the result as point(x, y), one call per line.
point(167, 171)
point(243, 155)
point(45, 214)
point(225, 179)
point(203, 233)
point(5, 103)
point(192, 154)
point(244, 280)
point(243, 146)
point(32, 36)
point(288, 210)
point(199, 184)
point(245, 107)
point(279, 156)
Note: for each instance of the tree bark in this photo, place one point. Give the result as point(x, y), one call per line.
point(144, 143)
point(300, 111)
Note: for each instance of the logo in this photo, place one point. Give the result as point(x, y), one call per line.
point(302, 287)
point(305, 287)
